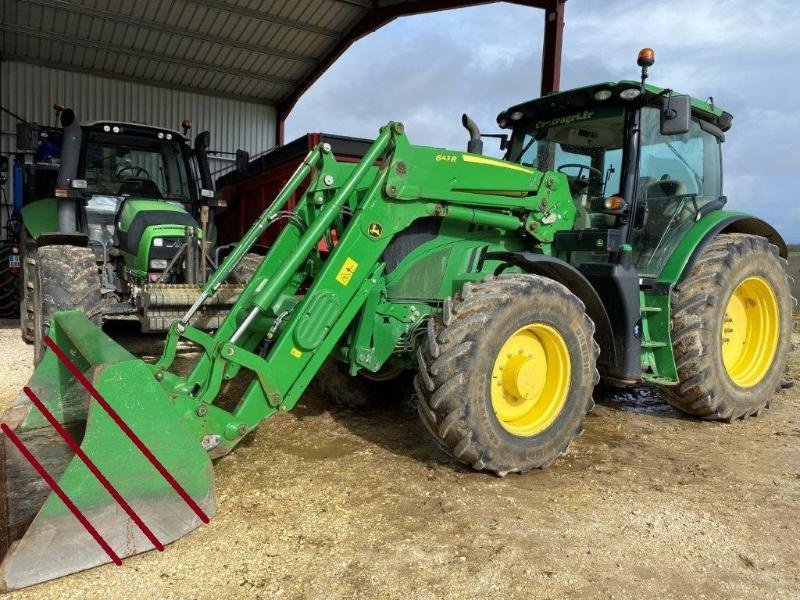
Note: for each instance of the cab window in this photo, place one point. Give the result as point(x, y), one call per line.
point(678, 176)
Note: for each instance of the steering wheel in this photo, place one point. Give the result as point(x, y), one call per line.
point(135, 170)
point(580, 168)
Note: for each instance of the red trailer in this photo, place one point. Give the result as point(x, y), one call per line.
point(249, 191)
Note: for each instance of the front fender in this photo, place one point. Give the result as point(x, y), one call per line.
point(40, 216)
point(702, 232)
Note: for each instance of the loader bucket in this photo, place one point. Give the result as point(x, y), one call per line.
point(40, 539)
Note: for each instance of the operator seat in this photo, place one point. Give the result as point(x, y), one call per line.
point(663, 198)
point(664, 188)
point(137, 186)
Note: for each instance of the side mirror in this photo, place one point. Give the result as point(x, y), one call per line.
point(27, 137)
point(676, 113)
point(242, 159)
point(202, 140)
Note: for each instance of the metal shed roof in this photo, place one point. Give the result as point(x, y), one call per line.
point(268, 51)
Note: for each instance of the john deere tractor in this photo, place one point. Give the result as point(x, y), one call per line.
point(599, 247)
point(116, 220)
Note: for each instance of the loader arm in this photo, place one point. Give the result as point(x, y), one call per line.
point(308, 301)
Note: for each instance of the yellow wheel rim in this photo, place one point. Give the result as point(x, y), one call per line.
point(530, 379)
point(750, 330)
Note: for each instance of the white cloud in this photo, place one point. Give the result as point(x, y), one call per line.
point(426, 70)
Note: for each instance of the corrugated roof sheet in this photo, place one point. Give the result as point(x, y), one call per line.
point(251, 49)
point(263, 50)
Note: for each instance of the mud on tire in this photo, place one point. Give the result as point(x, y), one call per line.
point(698, 310)
point(453, 383)
point(65, 278)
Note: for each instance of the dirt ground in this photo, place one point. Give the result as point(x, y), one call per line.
point(336, 503)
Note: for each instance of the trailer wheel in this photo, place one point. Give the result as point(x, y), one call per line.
point(242, 273)
point(9, 285)
point(389, 385)
point(731, 329)
point(65, 278)
point(507, 375)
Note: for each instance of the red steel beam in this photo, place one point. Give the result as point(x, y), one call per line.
point(551, 47)
point(379, 16)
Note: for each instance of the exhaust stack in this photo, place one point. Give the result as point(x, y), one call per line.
point(475, 144)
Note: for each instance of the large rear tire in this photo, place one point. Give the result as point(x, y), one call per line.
point(65, 278)
point(731, 329)
point(507, 375)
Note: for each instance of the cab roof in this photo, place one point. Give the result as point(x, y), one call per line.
point(584, 98)
point(134, 128)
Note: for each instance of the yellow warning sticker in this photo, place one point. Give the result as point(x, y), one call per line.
point(346, 272)
point(295, 352)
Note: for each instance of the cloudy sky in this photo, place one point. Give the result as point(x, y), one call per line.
point(427, 70)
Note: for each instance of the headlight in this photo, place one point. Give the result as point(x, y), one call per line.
point(158, 242)
point(601, 95)
point(630, 94)
point(159, 264)
point(516, 115)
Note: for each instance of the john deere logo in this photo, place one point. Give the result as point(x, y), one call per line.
point(375, 230)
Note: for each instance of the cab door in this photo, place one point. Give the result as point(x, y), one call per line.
point(679, 175)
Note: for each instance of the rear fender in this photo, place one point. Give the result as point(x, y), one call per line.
point(701, 233)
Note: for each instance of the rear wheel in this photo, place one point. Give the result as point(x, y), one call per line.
point(507, 375)
point(242, 273)
point(731, 329)
point(9, 284)
point(26, 305)
point(65, 278)
point(390, 385)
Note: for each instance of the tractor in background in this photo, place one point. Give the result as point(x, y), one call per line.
point(116, 220)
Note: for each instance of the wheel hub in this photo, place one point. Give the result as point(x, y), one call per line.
point(530, 379)
point(750, 331)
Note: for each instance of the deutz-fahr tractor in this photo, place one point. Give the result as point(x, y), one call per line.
point(116, 220)
point(599, 247)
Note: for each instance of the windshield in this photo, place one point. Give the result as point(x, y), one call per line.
point(133, 165)
point(586, 147)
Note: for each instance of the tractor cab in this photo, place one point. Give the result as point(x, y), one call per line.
point(134, 200)
point(642, 164)
point(137, 186)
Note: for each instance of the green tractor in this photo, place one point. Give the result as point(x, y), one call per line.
point(599, 247)
point(116, 220)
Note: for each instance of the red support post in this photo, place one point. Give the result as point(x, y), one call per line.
point(551, 48)
point(280, 125)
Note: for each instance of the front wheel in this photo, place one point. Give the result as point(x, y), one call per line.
point(65, 278)
point(507, 375)
point(731, 329)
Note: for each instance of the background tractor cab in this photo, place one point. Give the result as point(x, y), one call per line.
point(134, 192)
point(138, 199)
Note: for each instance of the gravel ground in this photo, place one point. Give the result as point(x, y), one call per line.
point(336, 503)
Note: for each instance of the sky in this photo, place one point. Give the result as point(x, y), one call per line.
point(427, 70)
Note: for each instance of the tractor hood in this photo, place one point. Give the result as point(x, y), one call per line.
point(142, 221)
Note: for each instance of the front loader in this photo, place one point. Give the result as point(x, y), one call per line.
point(598, 247)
